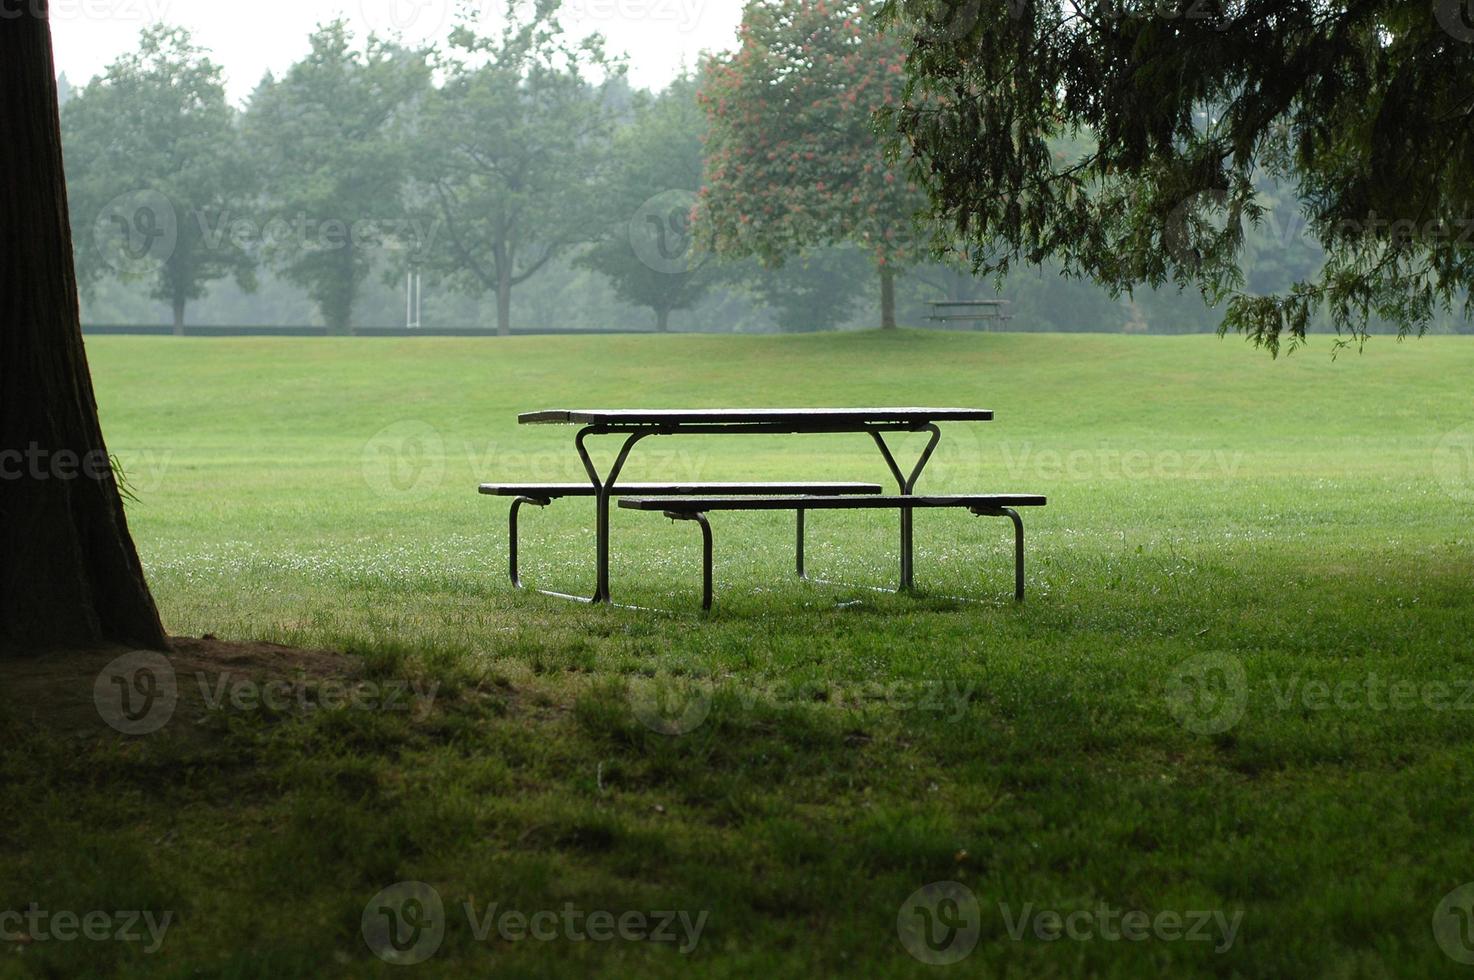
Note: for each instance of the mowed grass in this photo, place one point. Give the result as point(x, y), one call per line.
point(1242, 686)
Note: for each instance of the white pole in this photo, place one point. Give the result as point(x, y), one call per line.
point(413, 288)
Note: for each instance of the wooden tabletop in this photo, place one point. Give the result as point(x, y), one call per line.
point(796, 417)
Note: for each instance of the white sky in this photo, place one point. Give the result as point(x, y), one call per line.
point(249, 39)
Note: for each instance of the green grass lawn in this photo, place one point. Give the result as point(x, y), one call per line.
point(1240, 697)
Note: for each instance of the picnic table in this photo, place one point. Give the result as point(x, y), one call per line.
point(976, 311)
point(694, 501)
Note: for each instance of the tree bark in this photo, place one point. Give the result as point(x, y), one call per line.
point(503, 299)
point(662, 321)
point(69, 573)
point(179, 302)
point(887, 296)
point(351, 285)
point(340, 296)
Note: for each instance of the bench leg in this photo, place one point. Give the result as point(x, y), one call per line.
point(514, 546)
point(706, 563)
point(1018, 545)
point(513, 537)
point(1018, 553)
point(800, 549)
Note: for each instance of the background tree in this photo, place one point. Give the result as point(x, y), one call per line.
point(331, 141)
point(819, 289)
point(69, 574)
point(648, 252)
point(514, 142)
point(156, 172)
point(793, 159)
point(1362, 109)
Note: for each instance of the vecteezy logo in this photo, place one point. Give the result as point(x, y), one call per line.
point(1453, 17)
point(670, 707)
point(1207, 694)
point(137, 693)
point(660, 232)
point(1453, 460)
point(1453, 924)
point(405, 923)
point(939, 923)
point(136, 232)
point(404, 459)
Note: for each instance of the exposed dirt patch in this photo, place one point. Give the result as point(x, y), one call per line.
point(260, 659)
point(58, 689)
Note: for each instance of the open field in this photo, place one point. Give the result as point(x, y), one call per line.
point(1241, 693)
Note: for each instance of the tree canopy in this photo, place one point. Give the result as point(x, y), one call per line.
point(793, 159)
point(157, 172)
point(1362, 108)
point(515, 141)
point(649, 251)
point(331, 143)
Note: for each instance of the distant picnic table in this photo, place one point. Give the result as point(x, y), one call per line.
point(971, 311)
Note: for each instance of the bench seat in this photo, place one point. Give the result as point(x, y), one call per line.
point(556, 491)
point(703, 505)
point(691, 508)
point(543, 495)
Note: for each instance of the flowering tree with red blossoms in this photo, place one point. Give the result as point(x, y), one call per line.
point(793, 155)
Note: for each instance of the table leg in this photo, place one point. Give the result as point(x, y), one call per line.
point(907, 483)
point(603, 494)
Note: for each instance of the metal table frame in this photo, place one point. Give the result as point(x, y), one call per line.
point(639, 425)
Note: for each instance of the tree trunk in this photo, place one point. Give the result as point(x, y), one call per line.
point(503, 299)
point(350, 286)
point(662, 321)
point(179, 302)
point(69, 574)
point(887, 296)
